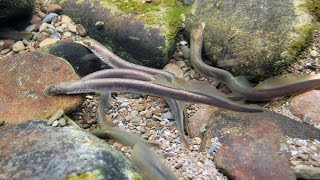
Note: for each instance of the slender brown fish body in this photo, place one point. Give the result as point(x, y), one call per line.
point(288, 87)
point(150, 163)
point(115, 61)
point(136, 86)
point(123, 137)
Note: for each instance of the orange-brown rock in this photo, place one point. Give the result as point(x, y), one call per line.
point(306, 105)
point(23, 79)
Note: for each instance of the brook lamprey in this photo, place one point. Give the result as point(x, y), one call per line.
point(143, 87)
point(271, 88)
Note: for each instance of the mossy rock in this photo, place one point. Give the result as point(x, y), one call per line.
point(142, 33)
point(12, 11)
point(34, 150)
point(257, 39)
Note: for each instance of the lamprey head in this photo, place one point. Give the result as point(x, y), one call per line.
point(53, 90)
point(87, 42)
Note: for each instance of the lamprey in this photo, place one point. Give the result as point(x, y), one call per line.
point(115, 61)
point(150, 163)
point(271, 89)
point(175, 106)
point(123, 137)
point(143, 87)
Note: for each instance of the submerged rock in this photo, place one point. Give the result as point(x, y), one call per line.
point(81, 59)
point(254, 38)
point(23, 79)
point(306, 105)
point(33, 150)
point(13, 11)
point(224, 123)
point(255, 154)
point(140, 32)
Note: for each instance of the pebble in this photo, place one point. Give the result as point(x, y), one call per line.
point(99, 24)
point(48, 41)
point(167, 115)
point(62, 122)
point(54, 8)
point(314, 53)
point(81, 30)
point(72, 28)
point(43, 27)
point(5, 51)
point(49, 17)
point(66, 19)
point(55, 123)
point(18, 46)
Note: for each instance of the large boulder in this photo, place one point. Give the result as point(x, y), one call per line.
point(23, 79)
point(137, 31)
point(255, 38)
point(12, 11)
point(34, 150)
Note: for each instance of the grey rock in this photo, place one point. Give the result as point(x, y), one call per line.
point(131, 35)
point(49, 17)
point(33, 150)
point(307, 172)
point(167, 115)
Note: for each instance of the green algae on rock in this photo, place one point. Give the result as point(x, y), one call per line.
point(253, 38)
point(142, 33)
point(59, 153)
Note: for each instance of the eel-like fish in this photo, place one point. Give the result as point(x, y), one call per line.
point(175, 106)
point(150, 163)
point(271, 88)
point(123, 137)
point(115, 61)
point(143, 87)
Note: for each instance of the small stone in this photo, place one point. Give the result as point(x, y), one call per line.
point(60, 29)
point(181, 64)
point(99, 24)
point(185, 52)
point(72, 28)
point(67, 34)
point(314, 53)
point(55, 123)
point(18, 46)
point(124, 104)
point(43, 27)
point(178, 166)
point(162, 123)
point(174, 69)
point(53, 8)
point(49, 17)
point(5, 51)
point(89, 97)
point(197, 140)
point(81, 30)
point(62, 122)
point(304, 157)
point(66, 19)
point(138, 107)
point(167, 115)
point(48, 41)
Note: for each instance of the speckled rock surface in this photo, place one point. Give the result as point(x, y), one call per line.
point(23, 79)
point(15, 10)
point(226, 123)
point(255, 154)
point(122, 26)
point(306, 105)
point(33, 150)
point(254, 38)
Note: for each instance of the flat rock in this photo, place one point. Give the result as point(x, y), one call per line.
point(23, 79)
point(81, 59)
point(223, 123)
point(254, 38)
point(255, 154)
point(142, 33)
point(306, 105)
point(33, 150)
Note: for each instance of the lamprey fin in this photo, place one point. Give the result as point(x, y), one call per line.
point(150, 164)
